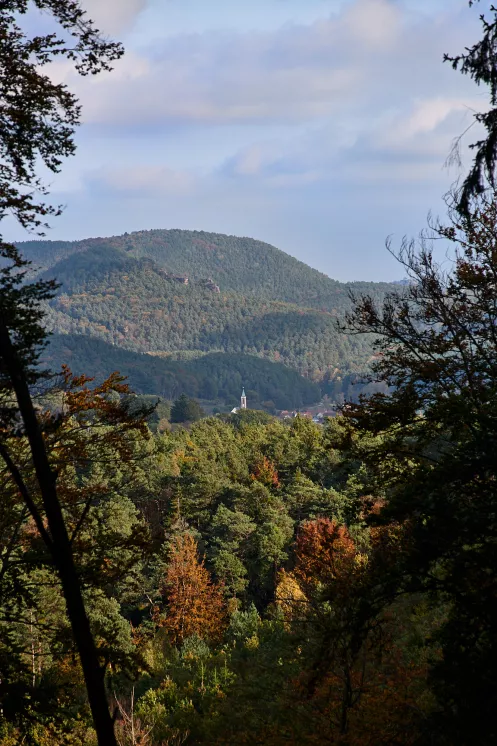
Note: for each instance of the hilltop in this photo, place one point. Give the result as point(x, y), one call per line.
point(130, 303)
point(241, 265)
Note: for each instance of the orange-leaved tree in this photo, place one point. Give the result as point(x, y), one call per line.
point(265, 472)
point(195, 604)
point(326, 553)
point(51, 443)
point(353, 668)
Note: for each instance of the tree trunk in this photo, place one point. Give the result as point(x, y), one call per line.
point(60, 546)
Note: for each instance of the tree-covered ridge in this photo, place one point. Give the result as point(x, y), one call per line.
point(213, 376)
point(131, 303)
point(243, 265)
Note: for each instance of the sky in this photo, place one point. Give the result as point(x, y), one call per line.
point(320, 126)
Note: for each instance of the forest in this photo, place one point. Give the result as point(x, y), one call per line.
point(241, 579)
point(249, 580)
point(217, 377)
point(240, 265)
point(129, 303)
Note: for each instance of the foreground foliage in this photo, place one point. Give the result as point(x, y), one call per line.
point(226, 630)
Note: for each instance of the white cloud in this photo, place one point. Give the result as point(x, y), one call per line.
point(427, 115)
point(309, 124)
point(406, 146)
point(296, 73)
point(114, 16)
point(141, 181)
point(359, 60)
point(376, 23)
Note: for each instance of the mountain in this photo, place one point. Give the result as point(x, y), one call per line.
point(213, 376)
point(241, 265)
point(130, 303)
point(182, 294)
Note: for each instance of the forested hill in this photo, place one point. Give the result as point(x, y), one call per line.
point(241, 265)
point(180, 293)
point(215, 376)
point(131, 303)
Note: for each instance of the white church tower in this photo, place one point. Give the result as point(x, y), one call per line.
point(243, 400)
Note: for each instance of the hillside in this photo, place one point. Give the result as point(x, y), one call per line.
point(130, 303)
point(183, 294)
point(213, 376)
point(241, 265)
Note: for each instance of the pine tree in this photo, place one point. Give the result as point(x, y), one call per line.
point(478, 61)
point(435, 452)
point(185, 409)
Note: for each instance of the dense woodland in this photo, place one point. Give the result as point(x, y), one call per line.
point(240, 265)
point(205, 566)
point(129, 303)
point(255, 581)
point(215, 376)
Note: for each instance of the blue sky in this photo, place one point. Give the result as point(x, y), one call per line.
point(320, 126)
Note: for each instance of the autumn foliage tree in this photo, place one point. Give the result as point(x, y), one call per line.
point(194, 604)
point(91, 444)
point(354, 666)
point(37, 122)
point(326, 553)
point(264, 471)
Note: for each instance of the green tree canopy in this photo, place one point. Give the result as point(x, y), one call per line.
point(185, 409)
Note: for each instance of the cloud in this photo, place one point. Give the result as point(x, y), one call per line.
point(289, 134)
point(295, 73)
point(427, 128)
point(374, 23)
point(354, 63)
point(140, 181)
point(114, 16)
point(409, 145)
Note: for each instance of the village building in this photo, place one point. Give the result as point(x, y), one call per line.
point(243, 403)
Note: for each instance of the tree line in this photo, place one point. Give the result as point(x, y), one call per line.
point(240, 265)
point(128, 303)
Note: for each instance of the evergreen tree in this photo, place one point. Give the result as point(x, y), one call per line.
point(478, 61)
point(185, 409)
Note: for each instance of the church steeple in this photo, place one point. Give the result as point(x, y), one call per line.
point(243, 400)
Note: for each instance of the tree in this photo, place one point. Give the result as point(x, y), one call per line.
point(263, 471)
point(435, 451)
point(230, 533)
point(339, 611)
point(37, 123)
point(195, 605)
point(478, 61)
point(35, 448)
point(38, 117)
point(249, 417)
point(185, 409)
